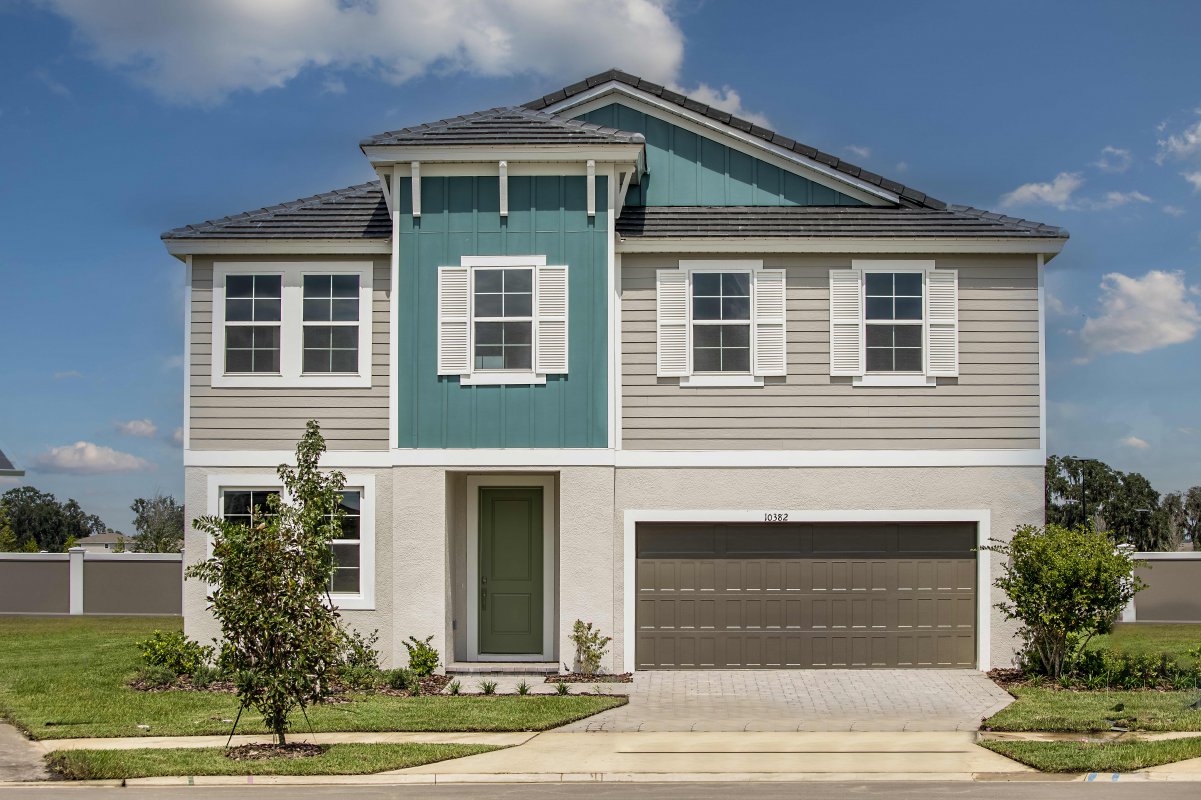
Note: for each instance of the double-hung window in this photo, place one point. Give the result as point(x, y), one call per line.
point(894, 323)
point(502, 320)
point(720, 323)
point(352, 581)
point(292, 324)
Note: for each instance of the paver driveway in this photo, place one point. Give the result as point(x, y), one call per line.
point(803, 700)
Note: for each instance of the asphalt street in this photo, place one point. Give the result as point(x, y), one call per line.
point(1101, 789)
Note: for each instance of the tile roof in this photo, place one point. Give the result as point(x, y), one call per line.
point(357, 212)
point(825, 221)
point(6, 466)
point(909, 196)
point(507, 125)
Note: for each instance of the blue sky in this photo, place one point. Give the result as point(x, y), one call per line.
point(122, 118)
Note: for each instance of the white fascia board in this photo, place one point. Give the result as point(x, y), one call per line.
point(742, 141)
point(639, 459)
point(789, 244)
point(380, 155)
point(276, 247)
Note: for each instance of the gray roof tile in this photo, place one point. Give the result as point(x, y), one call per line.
point(357, 212)
point(825, 221)
point(507, 125)
point(5, 464)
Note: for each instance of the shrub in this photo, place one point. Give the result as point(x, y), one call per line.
point(590, 647)
point(175, 652)
point(1064, 585)
point(359, 649)
point(488, 687)
point(156, 677)
point(204, 676)
point(562, 688)
point(523, 688)
point(1105, 669)
point(455, 687)
point(400, 679)
point(360, 678)
point(423, 659)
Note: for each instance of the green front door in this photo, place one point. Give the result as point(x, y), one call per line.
point(510, 590)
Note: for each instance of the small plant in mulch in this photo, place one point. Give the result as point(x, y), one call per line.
point(263, 752)
point(580, 677)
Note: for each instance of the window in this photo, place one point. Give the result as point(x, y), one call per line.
point(721, 322)
point(893, 321)
point(302, 324)
point(352, 583)
point(504, 318)
point(333, 345)
point(252, 314)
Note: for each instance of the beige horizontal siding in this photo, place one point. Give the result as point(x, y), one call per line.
point(993, 404)
point(273, 418)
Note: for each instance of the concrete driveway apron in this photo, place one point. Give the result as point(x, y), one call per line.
point(802, 700)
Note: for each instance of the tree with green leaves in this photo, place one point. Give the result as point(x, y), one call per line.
point(40, 522)
point(1077, 490)
point(1064, 585)
point(270, 580)
point(8, 537)
point(1131, 514)
point(160, 524)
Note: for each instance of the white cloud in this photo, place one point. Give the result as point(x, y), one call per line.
point(1194, 178)
point(143, 428)
point(69, 373)
point(1114, 200)
point(1183, 145)
point(1173, 211)
point(902, 166)
point(1057, 193)
point(177, 436)
point(1141, 314)
point(858, 151)
point(1114, 159)
point(85, 458)
point(725, 98)
point(1136, 443)
point(1056, 306)
point(333, 86)
point(202, 52)
point(50, 83)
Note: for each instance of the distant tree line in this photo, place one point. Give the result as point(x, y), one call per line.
point(33, 521)
point(1122, 504)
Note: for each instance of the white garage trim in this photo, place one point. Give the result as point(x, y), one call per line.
point(982, 518)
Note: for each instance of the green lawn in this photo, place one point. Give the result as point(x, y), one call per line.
point(1149, 638)
point(339, 759)
point(1096, 757)
point(1042, 709)
point(64, 677)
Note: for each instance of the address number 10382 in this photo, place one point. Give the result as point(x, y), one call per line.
point(775, 516)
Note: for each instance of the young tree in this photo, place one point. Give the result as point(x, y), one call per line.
point(1065, 585)
point(160, 524)
point(270, 583)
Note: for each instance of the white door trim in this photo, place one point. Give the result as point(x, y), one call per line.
point(474, 484)
point(981, 516)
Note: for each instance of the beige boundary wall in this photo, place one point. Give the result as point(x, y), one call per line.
point(1171, 594)
point(422, 537)
point(80, 582)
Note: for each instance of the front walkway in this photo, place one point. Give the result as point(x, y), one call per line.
point(802, 700)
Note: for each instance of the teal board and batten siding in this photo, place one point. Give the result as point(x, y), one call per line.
point(460, 216)
point(993, 404)
point(686, 169)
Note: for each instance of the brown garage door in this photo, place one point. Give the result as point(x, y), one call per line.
point(763, 596)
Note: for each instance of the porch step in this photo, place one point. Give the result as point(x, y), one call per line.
point(502, 668)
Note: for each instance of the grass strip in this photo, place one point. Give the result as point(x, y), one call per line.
point(1057, 710)
point(338, 759)
point(1121, 756)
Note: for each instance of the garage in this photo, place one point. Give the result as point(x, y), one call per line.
point(805, 595)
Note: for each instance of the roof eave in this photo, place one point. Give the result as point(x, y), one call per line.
point(184, 246)
point(1033, 245)
point(386, 154)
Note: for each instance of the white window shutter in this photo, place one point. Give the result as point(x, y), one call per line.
point(846, 322)
point(454, 320)
point(770, 357)
point(671, 323)
point(550, 320)
point(942, 323)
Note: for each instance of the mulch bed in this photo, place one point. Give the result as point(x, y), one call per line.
point(262, 752)
point(1009, 678)
point(578, 677)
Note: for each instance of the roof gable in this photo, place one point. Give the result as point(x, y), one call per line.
point(625, 83)
point(506, 125)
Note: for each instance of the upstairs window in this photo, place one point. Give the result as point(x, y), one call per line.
point(894, 320)
point(304, 324)
point(503, 316)
point(721, 322)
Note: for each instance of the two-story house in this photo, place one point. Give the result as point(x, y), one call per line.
point(619, 356)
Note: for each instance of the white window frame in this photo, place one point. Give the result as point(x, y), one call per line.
point(501, 377)
point(906, 379)
point(707, 379)
point(364, 483)
point(291, 334)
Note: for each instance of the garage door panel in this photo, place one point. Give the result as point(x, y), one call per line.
point(762, 596)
